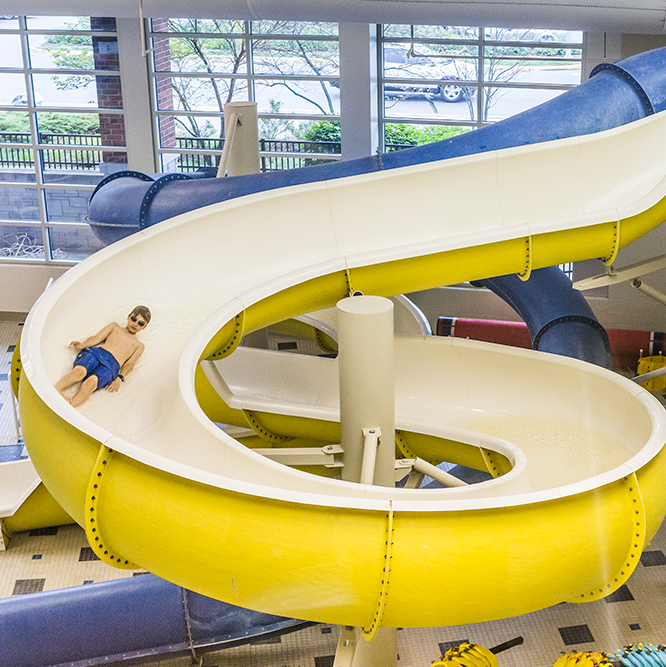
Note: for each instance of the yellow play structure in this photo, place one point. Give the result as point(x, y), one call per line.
point(576, 452)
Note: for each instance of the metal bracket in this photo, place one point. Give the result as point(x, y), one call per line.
point(429, 469)
point(614, 277)
point(92, 520)
point(525, 274)
point(615, 244)
point(261, 430)
point(370, 443)
point(637, 542)
point(304, 456)
point(370, 632)
point(234, 338)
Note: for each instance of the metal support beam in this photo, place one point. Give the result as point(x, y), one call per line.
point(613, 277)
point(649, 291)
point(304, 456)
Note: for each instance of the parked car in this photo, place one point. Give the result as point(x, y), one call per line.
point(22, 100)
point(401, 60)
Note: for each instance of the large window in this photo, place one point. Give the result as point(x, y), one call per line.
point(289, 68)
point(61, 132)
point(439, 81)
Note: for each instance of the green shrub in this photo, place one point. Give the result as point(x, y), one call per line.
point(323, 130)
point(62, 123)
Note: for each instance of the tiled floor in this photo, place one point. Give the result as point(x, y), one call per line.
point(52, 559)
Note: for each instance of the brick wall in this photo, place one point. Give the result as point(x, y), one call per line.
point(162, 56)
point(109, 90)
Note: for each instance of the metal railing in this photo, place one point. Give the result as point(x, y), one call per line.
point(275, 154)
point(53, 158)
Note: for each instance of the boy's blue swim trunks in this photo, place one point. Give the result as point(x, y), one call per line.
point(98, 361)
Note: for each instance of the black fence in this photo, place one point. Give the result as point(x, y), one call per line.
point(84, 158)
point(291, 153)
point(275, 154)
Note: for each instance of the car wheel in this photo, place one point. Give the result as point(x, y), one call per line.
point(451, 93)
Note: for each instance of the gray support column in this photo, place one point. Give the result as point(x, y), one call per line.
point(358, 90)
point(139, 133)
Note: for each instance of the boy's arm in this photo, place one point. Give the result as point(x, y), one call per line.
point(126, 368)
point(131, 362)
point(98, 338)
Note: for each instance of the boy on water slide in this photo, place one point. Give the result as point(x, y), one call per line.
point(103, 356)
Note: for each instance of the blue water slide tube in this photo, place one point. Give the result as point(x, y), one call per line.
point(126, 619)
point(614, 95)
point(558, 317)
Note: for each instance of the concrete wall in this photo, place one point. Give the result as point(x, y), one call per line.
point(22, 284)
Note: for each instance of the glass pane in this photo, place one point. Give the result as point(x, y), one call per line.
point(68, 205)
point(21, 242)
point(198, 94)
point(277, 162)
point(401, 135)
point(422, 50)
point(202, 132)
point(522, 71)
point(293, 28)
point(81, 129)
point(14, 127)
point(61, 51)
point(535, 54)
point(197, 25)
point(193, 54)
point(533, 35)
point(80, 167)
point(188, 162)
point(446, 32)
point(12, 87)
point(399, 63)
point(501, 103)
point(432, 31)
point(19, 204)
point(297, 97)
point(17, 165)
point(11, 50)
point(452, 102)
point(296, 57)
point(71, 23)
point(73, 243)
point(8, 22)
point(323, 132)
point(77, 90)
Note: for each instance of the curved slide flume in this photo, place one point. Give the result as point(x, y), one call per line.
point(614, 95)
point(157, 484)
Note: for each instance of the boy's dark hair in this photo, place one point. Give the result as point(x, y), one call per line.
point(141, 311)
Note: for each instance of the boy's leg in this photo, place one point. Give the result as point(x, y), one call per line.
point(75, 375)
point(86, 389)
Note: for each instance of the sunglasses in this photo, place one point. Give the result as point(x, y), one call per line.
point(136, 320)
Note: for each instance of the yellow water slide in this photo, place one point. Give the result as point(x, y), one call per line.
point(575, 451)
